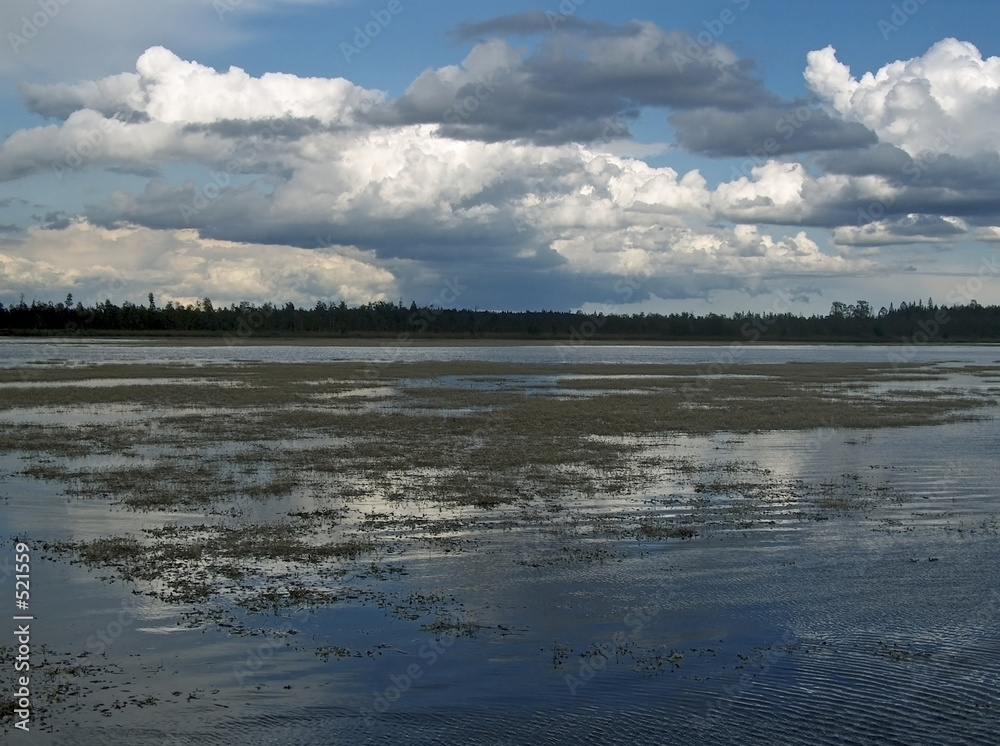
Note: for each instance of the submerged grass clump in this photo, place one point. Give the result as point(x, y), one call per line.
point(201, 563)
point(113, 551)
point(652, 529)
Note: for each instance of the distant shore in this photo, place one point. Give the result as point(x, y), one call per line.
point(213, 339)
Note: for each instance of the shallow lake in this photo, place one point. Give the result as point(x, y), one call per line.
point(873, 618)
point(17, 352)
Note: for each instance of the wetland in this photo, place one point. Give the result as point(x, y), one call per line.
point(484, 551)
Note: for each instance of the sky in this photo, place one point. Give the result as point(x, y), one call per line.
point(735, 155)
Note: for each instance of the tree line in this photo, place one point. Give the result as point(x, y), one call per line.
point(910, 322)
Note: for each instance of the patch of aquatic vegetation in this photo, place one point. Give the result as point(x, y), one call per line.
point(650, 528)
point(619, 650)
point(30, 438)
point(194, 564)
point(168, 483)
point(453, 627)
point(59, 681)
point(325, 652)
point(572, 554)
point(899, 653)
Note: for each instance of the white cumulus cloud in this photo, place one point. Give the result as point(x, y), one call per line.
point(947, 101)
point(177, 265)
point(169, 89)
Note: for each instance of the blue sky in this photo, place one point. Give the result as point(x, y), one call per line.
point(630, 156)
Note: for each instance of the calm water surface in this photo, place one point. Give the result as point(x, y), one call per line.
point(16, 352)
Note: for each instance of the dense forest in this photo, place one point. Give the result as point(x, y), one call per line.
point(911, 322)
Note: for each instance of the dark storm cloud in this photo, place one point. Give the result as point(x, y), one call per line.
point(55, 221)
point(581, 77)
point(541, 130)
point(58, 104)
point(928, 184)
point(508, 286)
point(855, 208)
point(925, 170)
point(926, 225)
point(911, 228)
point(286, 129)
point(61, 100)
point(642, 63)
point(933, 184)
point(882, 159)
point(246, 214)
point(161, 206)
point(778, 128)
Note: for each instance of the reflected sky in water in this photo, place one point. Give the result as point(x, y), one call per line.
point(16, 352)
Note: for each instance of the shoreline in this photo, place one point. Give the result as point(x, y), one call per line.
point(397, 341)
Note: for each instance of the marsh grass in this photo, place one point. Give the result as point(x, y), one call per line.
point(654, 529)
point(161, 485)
point(197, 564)
point(113, 551)
point(452, 627)
point(35, 438)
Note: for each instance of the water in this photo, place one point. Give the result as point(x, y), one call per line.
point(874, 624)
point(18, 352)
